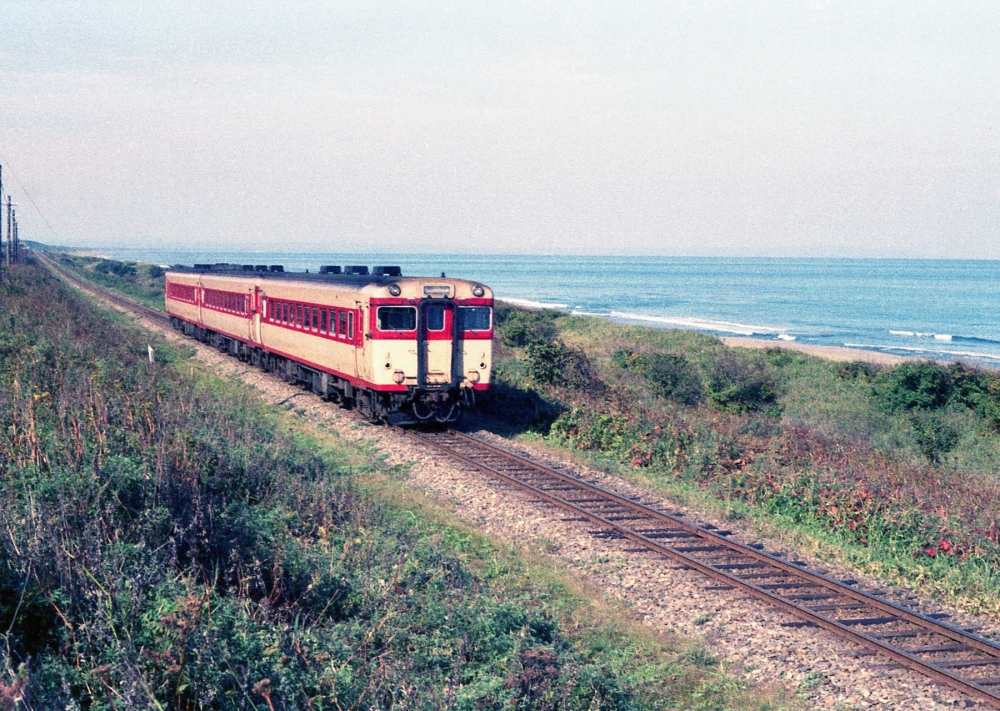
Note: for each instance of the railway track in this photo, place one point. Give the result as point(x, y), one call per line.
point(948, 654)
point(941, 651)
point(106, 294)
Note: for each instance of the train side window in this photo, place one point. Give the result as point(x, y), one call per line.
point(343, 324)
point(315, 318)
point(308, 323)
point(474, 318)
point(298, 315)
point(322, 320)
point(333, 323)
point(350, 326)
point(396, 318)
point(435, 317)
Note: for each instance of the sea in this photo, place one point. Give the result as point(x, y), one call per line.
point(942, 309)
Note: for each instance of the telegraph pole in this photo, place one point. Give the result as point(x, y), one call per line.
point(10, 230)
point(1, 216)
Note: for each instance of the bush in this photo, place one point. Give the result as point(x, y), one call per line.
point(737, 385)
point(518, 328)
point(913, 386)
point(857, 370)
point(933, 436)
point(671, 376)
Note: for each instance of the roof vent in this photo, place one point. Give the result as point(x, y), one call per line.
point(329, 269)
point(388, 271)
point(202, 267)
point(355, 269)
point(277, 268)
point(261, 268)
point(248, 267)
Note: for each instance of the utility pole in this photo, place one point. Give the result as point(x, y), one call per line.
point(10, 230)
point(1, 217)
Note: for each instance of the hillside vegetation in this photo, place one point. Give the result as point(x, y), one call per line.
point(891, 469)
point(169, 542)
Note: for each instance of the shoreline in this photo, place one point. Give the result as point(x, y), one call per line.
point(840, 353)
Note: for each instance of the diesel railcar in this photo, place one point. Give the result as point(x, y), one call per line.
point(396, 348)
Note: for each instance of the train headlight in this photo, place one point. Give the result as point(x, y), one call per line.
point(394, 290)
point(478, 291)
point(472, 376)
point(398, 377)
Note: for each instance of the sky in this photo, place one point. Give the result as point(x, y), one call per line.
point(739, 128)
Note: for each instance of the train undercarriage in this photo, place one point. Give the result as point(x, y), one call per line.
point(415, 406)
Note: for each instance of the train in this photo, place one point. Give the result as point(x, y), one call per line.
point(397, 349)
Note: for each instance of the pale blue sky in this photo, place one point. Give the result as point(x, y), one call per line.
point(733, 128)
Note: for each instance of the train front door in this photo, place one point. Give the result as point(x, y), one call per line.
point(435, 343)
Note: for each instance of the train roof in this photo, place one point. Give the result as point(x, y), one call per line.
point(357, 276)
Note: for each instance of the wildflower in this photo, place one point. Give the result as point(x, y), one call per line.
point(931, 551)
point(945, 546)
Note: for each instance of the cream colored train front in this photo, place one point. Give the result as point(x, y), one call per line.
point(395, 347)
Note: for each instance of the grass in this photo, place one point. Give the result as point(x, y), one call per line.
point(890, 470)
point(173, 543)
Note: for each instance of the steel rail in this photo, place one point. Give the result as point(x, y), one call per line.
point(941, 672)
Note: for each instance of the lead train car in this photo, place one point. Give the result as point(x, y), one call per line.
point(393, 347)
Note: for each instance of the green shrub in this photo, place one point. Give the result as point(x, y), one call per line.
point(736, 384)
point(857, 370)
point(671, 376)
point(933, 436)
point(913, 386)
point(518, 328)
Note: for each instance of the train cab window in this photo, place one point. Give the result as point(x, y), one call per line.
point(350, 326)
point(434, 315)
point(396, 318)
point(474, 318)
point(342, 330)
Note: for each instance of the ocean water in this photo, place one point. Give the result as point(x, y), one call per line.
point(943, 309)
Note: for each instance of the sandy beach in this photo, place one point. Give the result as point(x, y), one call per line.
point(830, 352)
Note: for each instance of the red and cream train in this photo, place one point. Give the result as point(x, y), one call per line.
point(395, 348)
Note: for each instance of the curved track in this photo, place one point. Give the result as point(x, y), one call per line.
point(934, 648)
point(948, 654)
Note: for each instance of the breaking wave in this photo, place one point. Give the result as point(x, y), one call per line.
point(701, 324)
